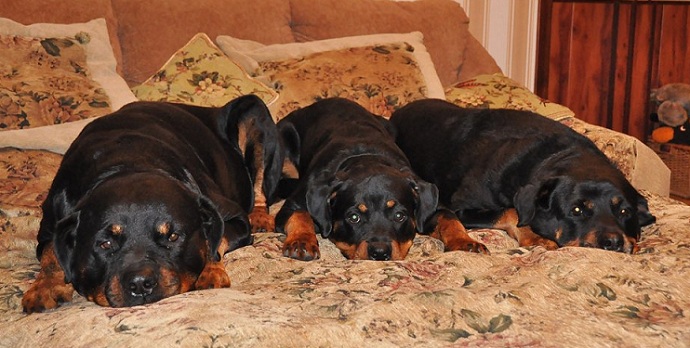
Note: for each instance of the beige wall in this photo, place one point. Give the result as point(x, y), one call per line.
point(508, 30)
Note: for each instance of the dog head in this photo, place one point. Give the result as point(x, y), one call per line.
point(372, 211)
point(138, 238)
point(592, 213)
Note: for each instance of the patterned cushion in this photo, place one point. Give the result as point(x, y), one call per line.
point(53, 74)
point(200, 74)
point(498, 91)
point(380, 72)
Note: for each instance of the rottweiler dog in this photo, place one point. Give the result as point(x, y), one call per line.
point(536, 178)
point(148, 199)
point(355, 186)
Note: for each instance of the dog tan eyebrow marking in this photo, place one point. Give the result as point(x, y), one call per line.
point(616, 200)
point(163, 228)
point(589, 204)
point(116, 229)
point(362, 208)
point(390, 204)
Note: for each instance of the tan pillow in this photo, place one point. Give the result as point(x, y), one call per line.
point(443, 22)
point(64, 12)
point(56, 79)
point(380, 72)
point(200, 74)
point(152, 30)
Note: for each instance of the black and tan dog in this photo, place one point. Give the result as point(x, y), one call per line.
point(355, 186)
point(148, 199)
point(537, 179)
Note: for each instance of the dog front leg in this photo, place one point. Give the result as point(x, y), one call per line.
point(300, 242)
point(446, 227)
point(49, 289)
point(508, 222)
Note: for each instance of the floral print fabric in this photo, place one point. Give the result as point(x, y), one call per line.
point(46, 81)
point(576, 297)
point(497, 91)
point(200, 74)
point(381, 78)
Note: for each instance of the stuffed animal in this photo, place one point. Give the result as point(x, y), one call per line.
point(673, 107)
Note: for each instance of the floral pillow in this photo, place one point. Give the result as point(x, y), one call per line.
point(53, 74)
point(381, 72)
point(200, 74)
point(498, 91)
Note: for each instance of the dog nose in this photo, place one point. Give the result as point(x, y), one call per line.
point(611, 241)
point(141, 284)
point(379, 251)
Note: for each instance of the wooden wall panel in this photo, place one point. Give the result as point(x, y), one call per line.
point(602, 58)
point(642, 57)
point(590, 66)
point(674, 50)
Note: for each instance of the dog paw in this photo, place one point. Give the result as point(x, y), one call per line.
point(261, 220)
point(543, 242)
point(44, 295)
point(213, 276)
point(467, 245)
point(302, 249)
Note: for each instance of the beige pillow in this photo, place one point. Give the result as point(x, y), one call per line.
point(381, 72)
point(200, 74)
point(56, 79)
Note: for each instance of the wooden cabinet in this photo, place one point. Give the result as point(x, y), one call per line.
point(602, 58)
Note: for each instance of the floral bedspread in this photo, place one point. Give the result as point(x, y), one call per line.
point(513, 297)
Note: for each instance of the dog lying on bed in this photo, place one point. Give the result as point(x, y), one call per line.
point(355, 186)
point(537, 179)
point(148, 199)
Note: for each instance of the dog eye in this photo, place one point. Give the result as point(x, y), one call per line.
point(400, 217)
point(173, 237)
point(577, 211)
point(624, 212)
point(354, 218)
point(107, 245)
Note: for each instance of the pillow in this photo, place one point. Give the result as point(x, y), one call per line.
point(151, 30)
point(200, 74)
point(381, 72)
point(443, 23)
point(498, 91)
point(59, 76)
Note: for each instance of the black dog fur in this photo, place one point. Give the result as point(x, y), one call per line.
point(355, 186)
point(518, 170)
point(147, 200)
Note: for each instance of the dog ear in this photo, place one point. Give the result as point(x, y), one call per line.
point(531, 197)
point(246, 123)
point(427, 202)
point(65, 242)
point(644, 216)
point(388, 125)
point(232, 221)
point(290, 142)
point(320, 197)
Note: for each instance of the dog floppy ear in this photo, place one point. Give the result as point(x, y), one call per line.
point(427, 201)
point(531, 197)
point(320, 195)
point(246, 123)
point(230, 221)
point(65, 242)
point(644, 216)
